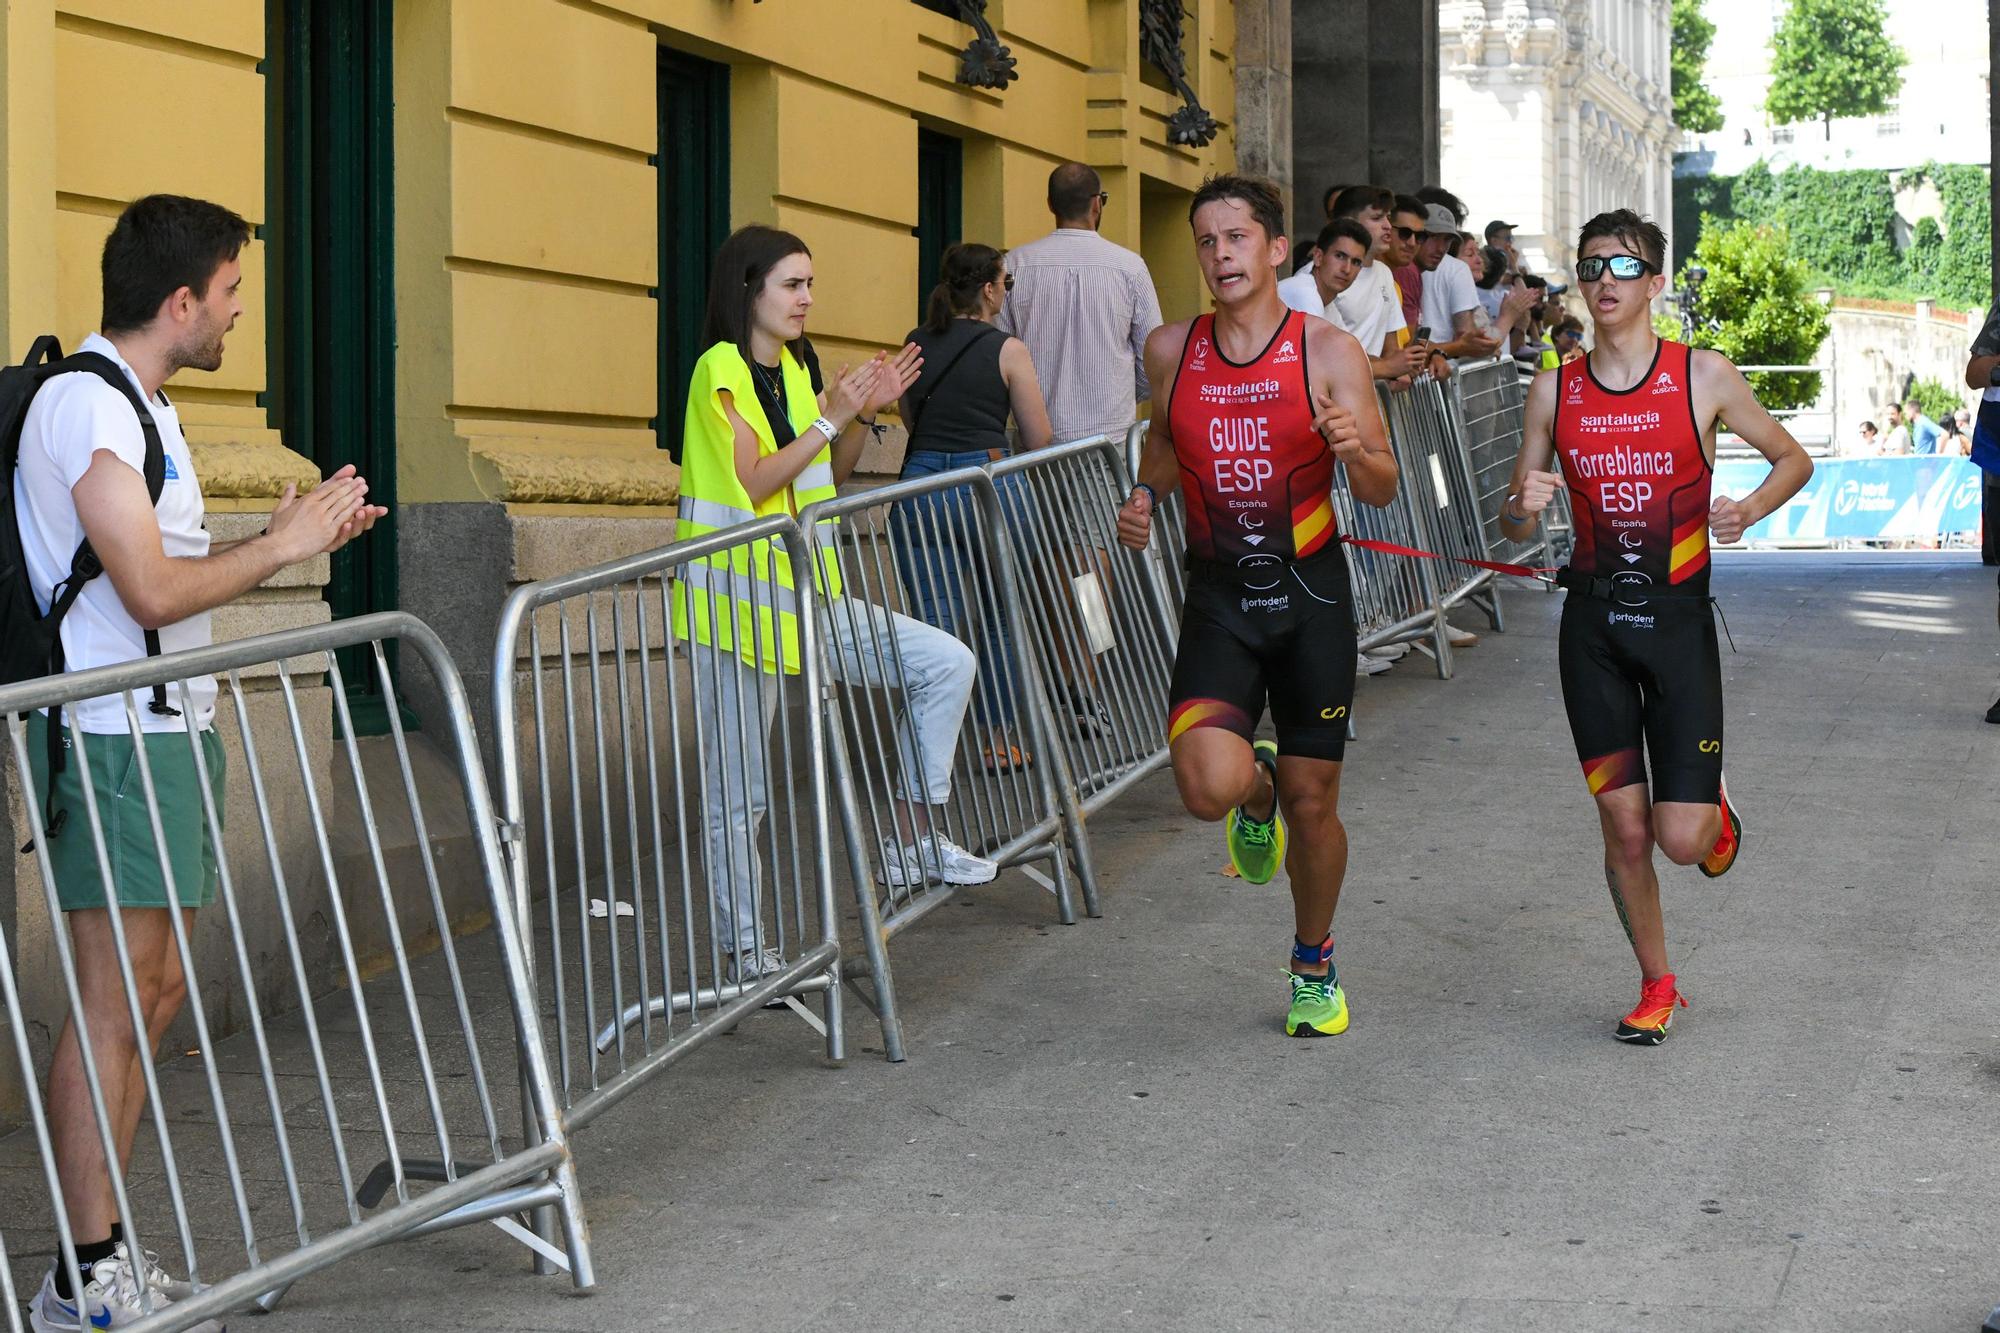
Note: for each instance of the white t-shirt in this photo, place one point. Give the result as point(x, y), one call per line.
point(1448, 289)
point(1301, 292)
point(70, 419)
point(1370, 309)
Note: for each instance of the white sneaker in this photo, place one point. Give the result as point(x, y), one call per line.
point(1390, 652)
point(750, 966)
point(161, 1281)
point(935, 859)
point(1371, 666)
point(110, 1300)
point(1459, 638)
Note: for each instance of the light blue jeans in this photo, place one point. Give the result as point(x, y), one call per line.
point(937, 553)
point(868, 647)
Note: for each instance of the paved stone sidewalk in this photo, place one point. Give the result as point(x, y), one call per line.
point(1101, 1126)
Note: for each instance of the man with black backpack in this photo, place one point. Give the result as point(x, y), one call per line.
point(99, 480)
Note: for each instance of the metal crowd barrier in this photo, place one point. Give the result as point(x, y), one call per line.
point(935, 549)
point(389, 1071)
point(1490, 401)
point(682, 870)
point(1430, 446)
point(1169, 550)
point(1097, 618)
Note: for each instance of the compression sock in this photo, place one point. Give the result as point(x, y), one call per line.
point(87, 1256)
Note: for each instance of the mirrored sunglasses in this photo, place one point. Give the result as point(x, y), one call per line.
point(1623, 267)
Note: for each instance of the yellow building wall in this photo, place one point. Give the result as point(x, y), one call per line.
point(109, 100)
point(526, 194)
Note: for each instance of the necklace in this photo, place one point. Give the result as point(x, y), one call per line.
point(773, 380)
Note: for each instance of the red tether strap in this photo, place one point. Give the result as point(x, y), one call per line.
point(1497, 566)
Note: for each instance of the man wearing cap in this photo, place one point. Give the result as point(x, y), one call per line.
point(1450, 301)
point(1501, 234)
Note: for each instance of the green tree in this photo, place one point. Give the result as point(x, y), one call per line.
point(1763, 311)
point(1832, 58)
point(1937, 399)
point(1695, 107)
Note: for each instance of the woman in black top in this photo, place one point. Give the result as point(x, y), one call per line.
point(974, 379)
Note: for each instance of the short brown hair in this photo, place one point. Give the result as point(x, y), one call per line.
point(1358, 199)
point(1260, 196)
point(1622, 224)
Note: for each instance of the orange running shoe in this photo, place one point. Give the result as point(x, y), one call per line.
point(1716, 864)
point(1647, 1024)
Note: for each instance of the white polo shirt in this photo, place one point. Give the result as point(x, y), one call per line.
point(71, 418)
point(1370, 309)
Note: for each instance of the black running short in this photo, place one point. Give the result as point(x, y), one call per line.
point(1275, 632)
point(1645, 672)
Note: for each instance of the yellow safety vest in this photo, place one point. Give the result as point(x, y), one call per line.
point(743, 598)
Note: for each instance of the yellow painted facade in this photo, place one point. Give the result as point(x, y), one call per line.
point(526, 235)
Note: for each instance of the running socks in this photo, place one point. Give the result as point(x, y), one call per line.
point(87, 1257)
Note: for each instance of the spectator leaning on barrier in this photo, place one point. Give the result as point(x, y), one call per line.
point(974, 378)
point(763, 437)
point(1923, 431)
point(1493, 276)
point(171, 272)
point(1369, 308)
point(1411, 223)
point(1982, 372)
point(1449, 300)
point(1344, 246)
point(1870, 443)
point(1084, 307)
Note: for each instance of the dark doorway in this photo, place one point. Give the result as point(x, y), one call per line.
point(940, 204)
point(694, 220)
point(331, 247)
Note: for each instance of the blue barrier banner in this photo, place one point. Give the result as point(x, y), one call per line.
point(1912, 497)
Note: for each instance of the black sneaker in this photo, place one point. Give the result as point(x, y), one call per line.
point(1092, 717)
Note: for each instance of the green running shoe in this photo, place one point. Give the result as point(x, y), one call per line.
point(1257, 846)
point(1318, 1010)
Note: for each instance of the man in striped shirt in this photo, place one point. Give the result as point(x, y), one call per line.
point(1084, 306)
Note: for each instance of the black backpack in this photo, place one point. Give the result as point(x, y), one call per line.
point(31, 639)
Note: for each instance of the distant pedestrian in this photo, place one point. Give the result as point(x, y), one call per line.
point(1897, 441)
point(1083, 306)
point(973, 380)
point(1870, 443)
point(1924, 432)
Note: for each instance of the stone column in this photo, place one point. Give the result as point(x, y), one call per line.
point(1364, 97)
point(1264, 91)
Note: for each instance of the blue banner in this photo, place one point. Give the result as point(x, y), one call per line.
point(1913, 497)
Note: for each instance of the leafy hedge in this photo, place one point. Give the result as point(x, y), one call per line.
point(1842, 225)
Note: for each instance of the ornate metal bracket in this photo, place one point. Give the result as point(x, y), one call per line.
point(985, 63)
point(1160, 46)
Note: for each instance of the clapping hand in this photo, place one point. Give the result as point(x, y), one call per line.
point(325, 518)
point(898, 373)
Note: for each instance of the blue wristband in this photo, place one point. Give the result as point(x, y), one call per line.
point(1152, 499)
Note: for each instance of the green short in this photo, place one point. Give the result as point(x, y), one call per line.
point(128, 829)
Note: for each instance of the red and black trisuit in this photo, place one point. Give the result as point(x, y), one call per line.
point(1638, 651)
point(1268, 614)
